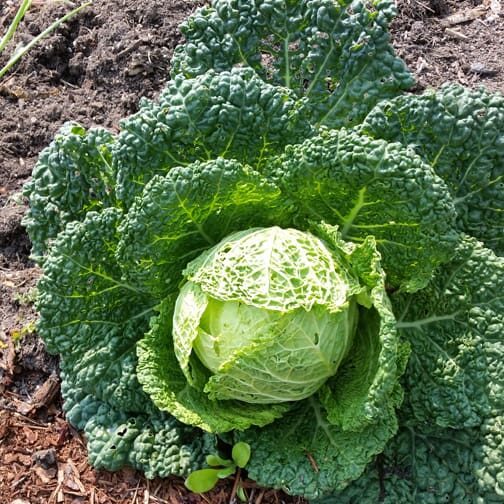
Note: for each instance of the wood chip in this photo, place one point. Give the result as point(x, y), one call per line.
point(76, 477)
point(5, 423)
point(46, 393)
point(30, 435)
point(45, 475)
point(456, 34)
point(11, 458)
point(43, 396)
point(464, 16)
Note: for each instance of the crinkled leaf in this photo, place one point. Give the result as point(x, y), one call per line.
point(336, 54)
point(370, 187)
point(433, 465)
point(89, 315)
point(150, 441)
point(455, 379)
point(303, 454)
point(189, 210)
point(459, 132)
point(270, 268)
point(230, 114)
point(455, 327)
point(72, 177)
point(367, 379)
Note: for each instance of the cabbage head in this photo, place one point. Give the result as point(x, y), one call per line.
point(276, 314)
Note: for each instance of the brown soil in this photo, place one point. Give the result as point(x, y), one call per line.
point(94, 70)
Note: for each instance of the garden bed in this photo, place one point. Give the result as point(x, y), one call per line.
point(93, 70)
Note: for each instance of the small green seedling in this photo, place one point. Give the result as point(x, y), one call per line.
point(204, 480)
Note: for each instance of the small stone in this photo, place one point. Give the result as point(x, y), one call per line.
point(45, 458)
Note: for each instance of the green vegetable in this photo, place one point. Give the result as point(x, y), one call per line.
point(459, 133)
point(335, 54)
point(280, 253)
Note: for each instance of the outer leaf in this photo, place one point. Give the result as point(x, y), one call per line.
point(89, 315)
point(455, 379)
point(94, 320)
point(367, 380)
point(303, 454)
point(231, 114)
point(459, 132)
point(188, 211)
point(336, 54)
point(370, 187)
point(150, 441)
point(455, 327)
point(434, 466)
point(72, 176)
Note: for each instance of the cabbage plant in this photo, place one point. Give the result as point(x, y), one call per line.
point(284, 250)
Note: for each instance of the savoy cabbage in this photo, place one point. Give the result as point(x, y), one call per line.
point(286, 250)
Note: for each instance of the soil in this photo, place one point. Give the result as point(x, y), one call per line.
point(93, 70)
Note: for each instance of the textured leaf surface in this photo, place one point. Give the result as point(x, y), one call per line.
point(88, 315)
point(94, 320)
point(72, 177)
point(276, 269)
point(367, 379)
point(370, 187)
point(232, 114)
point(460, 133)
point(189, 210)
point(279, 314)
point(433, 466)
point(456, 329)
point(336, 54)
point(328, 439)
point(308, 456)
point(150, 441)
point(455, 379)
